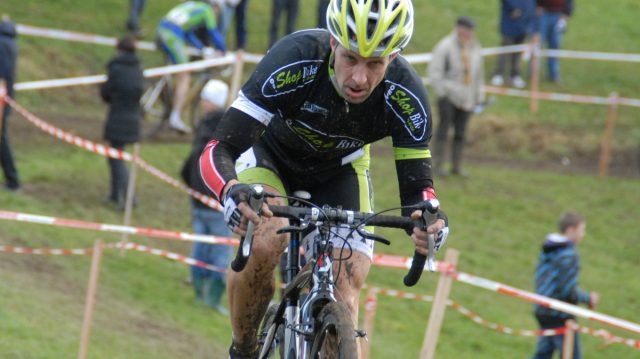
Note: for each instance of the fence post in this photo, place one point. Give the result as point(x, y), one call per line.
point(370, 307)
point(437, 309)
point(569, 339)
point(90, 301)
point(3, 95)
point(237, 77)
point(535, 73)
point(607, 136)
point(131, 188)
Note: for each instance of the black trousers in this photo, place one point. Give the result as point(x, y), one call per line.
point(119, 175)
point(291, 7)
point(6, 155)
point(513, 59)
point(451, 116)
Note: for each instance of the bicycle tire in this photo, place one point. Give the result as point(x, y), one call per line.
point(270, 334)
point(156, 107)
point(335, 337)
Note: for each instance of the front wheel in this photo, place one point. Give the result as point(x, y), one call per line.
point(270, 335)
point(335, 337)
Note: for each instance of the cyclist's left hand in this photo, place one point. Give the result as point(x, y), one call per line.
point(419, 236)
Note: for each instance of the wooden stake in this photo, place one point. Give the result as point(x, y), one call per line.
point(607, 136)
point(3, 95)
point(370, 307)
point(237, 77)
point(90, 301)
point(437, 309)
point(131, 188)
point(534, 82)
point(569, 339)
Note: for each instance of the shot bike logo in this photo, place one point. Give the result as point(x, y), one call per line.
point(322, 142)
point(290, 78)
point(313, 108)
point(408, 109)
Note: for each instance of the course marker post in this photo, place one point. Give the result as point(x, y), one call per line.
point(236, 80)
point(535, 74)
point(90, 301)
point(370, 307)
point(3, 94)
point(569, 339)
point(438, 308)
point(607, 135)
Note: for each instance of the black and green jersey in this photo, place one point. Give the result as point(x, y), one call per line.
point(291, 106)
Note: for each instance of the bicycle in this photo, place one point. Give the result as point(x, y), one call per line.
point(318, 326)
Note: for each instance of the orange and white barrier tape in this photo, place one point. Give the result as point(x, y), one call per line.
point(140, 231)
point(112, 153)
point(607, 336)
point(101, 40)
point(170, 255)
point(467, 313)
point(148, 73)
point(544, 301)
point(128, 246)
point(552, 96)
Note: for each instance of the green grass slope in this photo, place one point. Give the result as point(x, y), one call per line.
point(499, 217)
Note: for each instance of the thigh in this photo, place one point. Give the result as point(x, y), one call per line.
point(349, 276)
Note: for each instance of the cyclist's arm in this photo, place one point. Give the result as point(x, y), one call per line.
point(235, 134)
point(217, 40)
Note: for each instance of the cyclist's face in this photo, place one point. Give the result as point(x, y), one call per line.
point(357, 76)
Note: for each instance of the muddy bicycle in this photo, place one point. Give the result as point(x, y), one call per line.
point(309, 322)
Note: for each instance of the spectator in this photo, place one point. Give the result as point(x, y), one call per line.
point(291, 7)
point(133, 22)
point(552, 24)
point(322, 13)
point(208, 285)
point(122, 92)
point(8, 55)
point(239, 9)
point(516, 23)
point(557, 277)
point(457, 76)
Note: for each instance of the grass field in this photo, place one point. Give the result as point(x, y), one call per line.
point(499, 217)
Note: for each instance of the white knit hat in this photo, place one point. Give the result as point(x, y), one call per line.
point(216, 92)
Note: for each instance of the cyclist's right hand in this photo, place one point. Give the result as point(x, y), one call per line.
point(237, 211)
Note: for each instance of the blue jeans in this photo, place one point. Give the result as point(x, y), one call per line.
point(209, 221)
point(549, 345)
point(550, 34)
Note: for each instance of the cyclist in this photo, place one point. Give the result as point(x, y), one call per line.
point(304, 121)
point(180, 28)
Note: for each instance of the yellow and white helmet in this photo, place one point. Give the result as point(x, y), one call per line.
point(372, 28)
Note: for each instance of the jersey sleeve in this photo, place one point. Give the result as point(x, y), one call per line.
point(282, 78)
point(411, 123)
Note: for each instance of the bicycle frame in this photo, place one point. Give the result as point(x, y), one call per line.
point(298, 318)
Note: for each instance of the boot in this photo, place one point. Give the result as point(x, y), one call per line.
point(198, 287)
point(214, 295)
point(438, 158)
point(456, 159)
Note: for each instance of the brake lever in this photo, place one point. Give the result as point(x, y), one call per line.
point(373, 237)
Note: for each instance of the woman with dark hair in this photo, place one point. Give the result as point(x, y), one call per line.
point(122, 92)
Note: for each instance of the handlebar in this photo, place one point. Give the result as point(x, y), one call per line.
point(341, 216)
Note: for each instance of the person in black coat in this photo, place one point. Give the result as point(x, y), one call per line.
point(8, 54)
point(122, 92)
point(208, 285)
